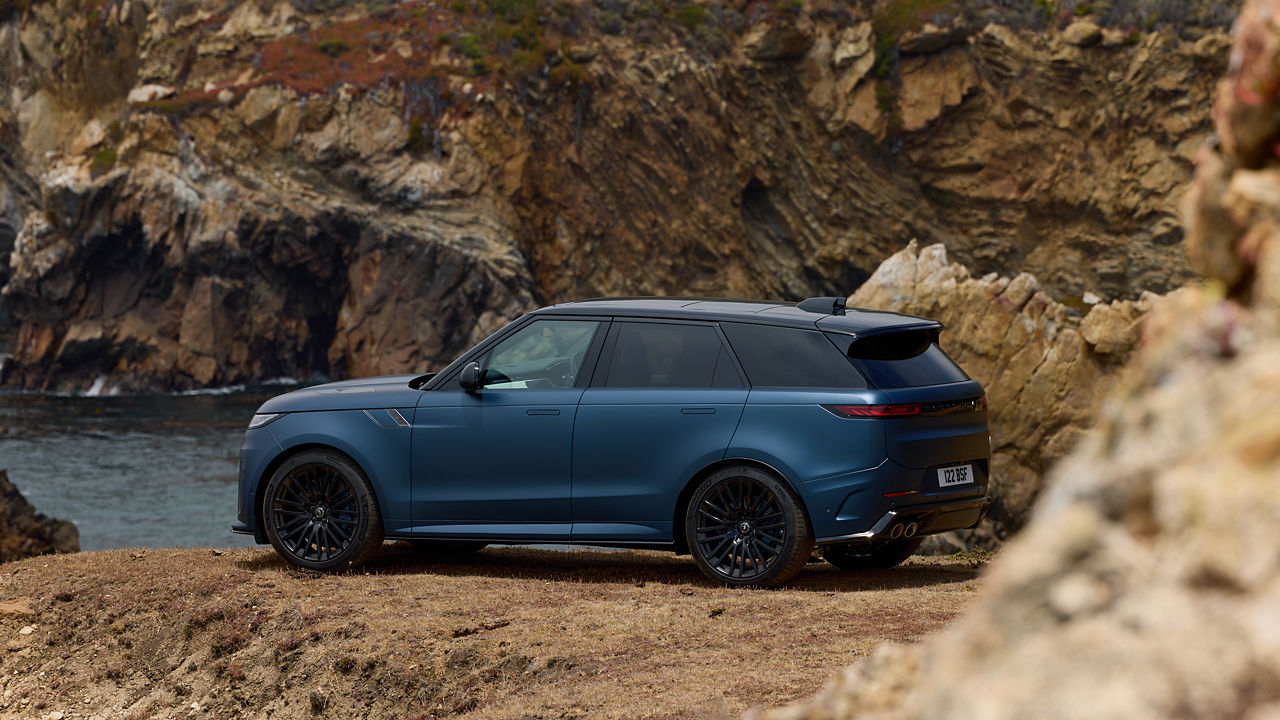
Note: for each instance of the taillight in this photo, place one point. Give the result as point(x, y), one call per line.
point(875, 411)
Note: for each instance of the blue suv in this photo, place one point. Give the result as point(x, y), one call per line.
point(742, 433)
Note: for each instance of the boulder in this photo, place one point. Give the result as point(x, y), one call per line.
point(26, 533)
point(1046, 369)
point(1082, 33)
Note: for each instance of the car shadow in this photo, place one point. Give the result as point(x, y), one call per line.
point(625, 567)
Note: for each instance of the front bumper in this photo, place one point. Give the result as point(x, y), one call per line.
point(930, 519)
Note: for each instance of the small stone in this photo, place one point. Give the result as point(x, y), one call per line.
point(1090, 298)
point(26, 630)
point(225, 96)
point(55, 715)
point(149, 93)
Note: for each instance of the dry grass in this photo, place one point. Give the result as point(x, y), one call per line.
point(510, 633)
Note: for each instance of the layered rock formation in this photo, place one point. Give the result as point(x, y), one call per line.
point(1146, 583)
point(26, 533)
point(205, 195)
point(1046, 366)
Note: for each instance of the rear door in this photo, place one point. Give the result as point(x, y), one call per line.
point(665, 401)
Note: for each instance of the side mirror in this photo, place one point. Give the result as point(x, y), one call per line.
point(469, 378)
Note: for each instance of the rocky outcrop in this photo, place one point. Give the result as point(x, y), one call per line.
point(291, 193)
point(1146, 583)
point(26, 533)
point(1046, 366)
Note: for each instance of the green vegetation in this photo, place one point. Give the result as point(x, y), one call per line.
point(104, 159)
point(1082, 9)
point(417, 143)
point(333, 47)
point(691, 16)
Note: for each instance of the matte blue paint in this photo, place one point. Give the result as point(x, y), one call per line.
point(492, 457)
point(635, 448)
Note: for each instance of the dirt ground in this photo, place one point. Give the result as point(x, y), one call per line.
point(509, 633)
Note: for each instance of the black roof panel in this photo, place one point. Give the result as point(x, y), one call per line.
point(855, 320)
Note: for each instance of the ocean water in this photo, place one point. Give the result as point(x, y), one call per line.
point(131, 471)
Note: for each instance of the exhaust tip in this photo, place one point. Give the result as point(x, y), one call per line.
point(897, 531)
point(911, 529)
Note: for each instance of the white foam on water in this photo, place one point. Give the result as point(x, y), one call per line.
point(96, 388)
point(226, 390)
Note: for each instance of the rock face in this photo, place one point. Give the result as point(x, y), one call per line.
point(25, 533)
point(373, 190)
point(1046, 366)
point(1146, 584)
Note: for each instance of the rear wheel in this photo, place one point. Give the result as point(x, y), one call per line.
point(320, 512)
point(871, 556)
point(745, 527)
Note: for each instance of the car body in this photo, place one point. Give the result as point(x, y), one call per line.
point(599, 422)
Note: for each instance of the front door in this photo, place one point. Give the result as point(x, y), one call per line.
point(496, 462)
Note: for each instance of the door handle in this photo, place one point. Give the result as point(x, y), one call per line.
point(697, 411)
point(542, 411)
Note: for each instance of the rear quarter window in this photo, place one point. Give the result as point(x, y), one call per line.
point(786, 357)
point(907, 358)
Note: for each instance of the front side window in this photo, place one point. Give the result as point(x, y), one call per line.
point(650, 354)
point(543, 354)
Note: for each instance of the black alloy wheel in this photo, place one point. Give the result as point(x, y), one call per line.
point(745, 527)
point(871, 556)
point(320, 513)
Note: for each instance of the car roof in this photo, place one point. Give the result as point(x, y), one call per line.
point(855, 321)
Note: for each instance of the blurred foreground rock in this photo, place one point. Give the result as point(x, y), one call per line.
point(24, 532)
point(1147, 582)
point(1046, 366)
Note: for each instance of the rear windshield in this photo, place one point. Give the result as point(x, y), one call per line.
point(790, 357)
point(906, 358)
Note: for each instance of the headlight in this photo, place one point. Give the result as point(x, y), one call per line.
point(264, 419)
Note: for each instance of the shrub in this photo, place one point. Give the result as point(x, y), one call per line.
point(333, 47)
point(104, 159)
point(691, 16)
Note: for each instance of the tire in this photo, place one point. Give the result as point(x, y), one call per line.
point(447, 549)
point(320, 513)
point(746, 528)
point(871, 556)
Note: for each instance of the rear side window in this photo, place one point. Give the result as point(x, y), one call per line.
point(907, 358)
point(668, 355)
point(790, 357)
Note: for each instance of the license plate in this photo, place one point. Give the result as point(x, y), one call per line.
point(956, 475)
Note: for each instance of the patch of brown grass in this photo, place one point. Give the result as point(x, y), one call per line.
point(508, 633)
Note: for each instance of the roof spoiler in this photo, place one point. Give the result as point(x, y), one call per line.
point(823, 305)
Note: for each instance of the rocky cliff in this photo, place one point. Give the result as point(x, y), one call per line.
point(203, 193)
point(26, 533)
point(1046, 366)
point(1146, 583)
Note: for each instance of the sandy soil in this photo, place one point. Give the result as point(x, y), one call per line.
point(509, 633)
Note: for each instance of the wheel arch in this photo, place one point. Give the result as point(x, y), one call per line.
point(260, 493)
point(686, 493)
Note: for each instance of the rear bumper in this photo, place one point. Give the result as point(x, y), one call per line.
point(930, 519)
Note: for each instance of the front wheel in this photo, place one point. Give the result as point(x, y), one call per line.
point(871, 556)
point(320, 512)
point(745, 527)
